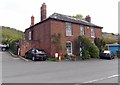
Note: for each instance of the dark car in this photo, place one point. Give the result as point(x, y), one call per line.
point(107, 54)
point(36, 54)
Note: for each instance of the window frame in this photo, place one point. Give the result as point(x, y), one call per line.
point(30, 35)
point(92, 32)
point(68, 27)
point(82, 30)
point(68, 49)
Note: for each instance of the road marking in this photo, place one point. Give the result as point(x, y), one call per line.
point(102, 79)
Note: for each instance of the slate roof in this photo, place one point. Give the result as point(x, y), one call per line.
point(61, 17)
point(72, 20)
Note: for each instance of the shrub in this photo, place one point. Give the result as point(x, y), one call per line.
point(85, 54)
point(100, 43)
point(93, 51)
point(78, 58)
point(89, 50)
point(52, 59)
point(68, 57)
point(110, 40)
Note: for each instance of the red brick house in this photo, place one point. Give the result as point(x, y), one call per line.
point(40, 34)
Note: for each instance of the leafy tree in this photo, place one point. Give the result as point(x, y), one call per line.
point(110, 40)
point(81, 42)
point(56, 40)
point(93, 51)
point(85, 42)
point(85, 54)
point(100, 43)
point(10, 35)
point(78, 16)
point(89, 50)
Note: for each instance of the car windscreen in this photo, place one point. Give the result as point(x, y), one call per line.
point(40, 52)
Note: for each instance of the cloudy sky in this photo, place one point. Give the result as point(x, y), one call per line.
point(17, 13)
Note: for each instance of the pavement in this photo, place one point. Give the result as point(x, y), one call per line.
point(18, 56)
point(15, 70)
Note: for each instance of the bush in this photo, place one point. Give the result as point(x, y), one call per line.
point(89, 50)
point(85, 54)
point(110, 40)
point(52, 59)
point(68, 57)
point(100, 43)
point(93, 51)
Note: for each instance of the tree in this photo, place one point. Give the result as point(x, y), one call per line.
point(56, 40)
point(110, 40)
point(100, 43)
point(89, 50)
point(93, 51)
point(78, 16)
point(10, 35)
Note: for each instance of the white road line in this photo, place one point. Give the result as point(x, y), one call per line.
point(101, 79)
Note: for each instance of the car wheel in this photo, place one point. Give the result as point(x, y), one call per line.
point(33, 58)
point(3, 49)
point(110, 57)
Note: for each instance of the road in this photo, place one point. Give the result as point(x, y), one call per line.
point(16, 70)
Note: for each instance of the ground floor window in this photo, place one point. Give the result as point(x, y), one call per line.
point(69, 47)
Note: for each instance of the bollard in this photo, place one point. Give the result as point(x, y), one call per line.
point(74, 58)
point(59, 58)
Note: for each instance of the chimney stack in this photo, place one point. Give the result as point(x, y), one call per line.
point(32, 20)
point(88, 18)
point(43, 12)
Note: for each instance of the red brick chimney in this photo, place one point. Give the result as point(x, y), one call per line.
point(43, 12)
point(32, 20)
point(88, 18)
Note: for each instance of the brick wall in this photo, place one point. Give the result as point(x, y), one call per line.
point(98, 33)
point(43, 32)
point(27, 45)
point(59, 27)
point(40, 37)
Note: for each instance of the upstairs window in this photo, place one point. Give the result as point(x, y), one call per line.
point(92, 32)
point(81, 30)
point(29, 35)
point(68, 29)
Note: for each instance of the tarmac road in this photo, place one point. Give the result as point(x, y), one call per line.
point(16, 70)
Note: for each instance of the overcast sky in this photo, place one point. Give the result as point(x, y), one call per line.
point(17, 13)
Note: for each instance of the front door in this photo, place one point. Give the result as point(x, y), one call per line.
point(69, 47)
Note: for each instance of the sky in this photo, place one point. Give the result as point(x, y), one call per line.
point(17, 13)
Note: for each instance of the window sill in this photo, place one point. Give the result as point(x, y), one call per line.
point(69, 35)
point(92, 36)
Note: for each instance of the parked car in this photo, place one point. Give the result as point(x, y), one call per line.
point(107, 54)
point(36, 54)
point(4, 47)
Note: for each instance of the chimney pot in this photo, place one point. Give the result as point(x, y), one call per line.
point(43, 12)
point(32, 20)
point(88, 18)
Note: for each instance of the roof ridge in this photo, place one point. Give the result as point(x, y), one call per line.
point(68, 18)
